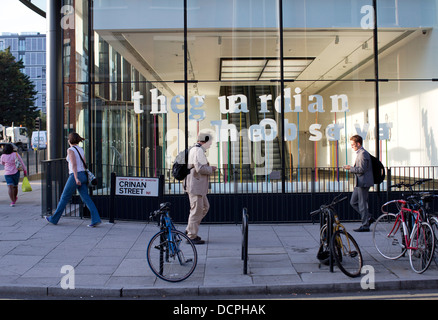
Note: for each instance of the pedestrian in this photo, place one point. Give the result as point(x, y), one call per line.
point(77, 179)
point(363, 172)
point(12, 173)
point(197, 185)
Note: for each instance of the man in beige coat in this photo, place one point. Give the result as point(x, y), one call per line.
point(197, 185)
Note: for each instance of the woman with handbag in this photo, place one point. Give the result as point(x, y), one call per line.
point(13, 165)
point(77, 179)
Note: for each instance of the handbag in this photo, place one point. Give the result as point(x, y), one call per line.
point(91, 178)
point(18, 164)
point(25, 186)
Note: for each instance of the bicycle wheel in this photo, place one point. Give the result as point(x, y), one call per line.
point(346, 253)
point(172, 258)
point(423, 241)
point(434, 224)
point(388, 236)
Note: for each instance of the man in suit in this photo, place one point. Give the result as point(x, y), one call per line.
point(197, 185)
point(364, 180)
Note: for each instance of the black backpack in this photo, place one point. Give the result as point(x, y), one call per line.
point(179, 168)
point(378, 170)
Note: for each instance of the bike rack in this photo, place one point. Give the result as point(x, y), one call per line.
point(329, 235)
point(245, 240)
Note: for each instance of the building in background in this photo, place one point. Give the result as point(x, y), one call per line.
point(31, 48)
point(281, 84)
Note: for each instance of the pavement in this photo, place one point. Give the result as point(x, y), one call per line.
point(38, 259)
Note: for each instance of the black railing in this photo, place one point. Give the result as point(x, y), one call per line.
point(32, 160)
point(304, 190)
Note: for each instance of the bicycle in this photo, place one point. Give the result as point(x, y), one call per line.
point(421, 201)
point(393, 235)
point(171, 254)
point(336, 242)
point(432, 218)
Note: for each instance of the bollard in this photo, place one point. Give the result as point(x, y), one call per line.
point(112, 197)
point(245, 240)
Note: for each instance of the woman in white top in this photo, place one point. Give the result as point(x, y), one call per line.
point(77, 179)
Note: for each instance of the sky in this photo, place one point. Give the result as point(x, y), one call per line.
point(15, 17)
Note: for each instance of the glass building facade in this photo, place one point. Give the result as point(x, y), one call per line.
point(281, 85)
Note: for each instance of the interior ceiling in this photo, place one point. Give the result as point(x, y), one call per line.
point(334, 54)
point(261, 69)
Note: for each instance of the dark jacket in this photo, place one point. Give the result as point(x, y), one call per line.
point(362, 169)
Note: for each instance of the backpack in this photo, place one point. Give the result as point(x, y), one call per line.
point(378, 170)
point(179, 167)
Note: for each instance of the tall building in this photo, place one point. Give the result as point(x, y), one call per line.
point(31, 48)
point(281, 84)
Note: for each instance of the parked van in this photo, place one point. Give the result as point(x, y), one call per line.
point(42, 140)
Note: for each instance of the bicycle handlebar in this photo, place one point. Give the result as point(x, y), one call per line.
point(163, 208)
point(409, 186)
point(325, 206)
point(410, 200)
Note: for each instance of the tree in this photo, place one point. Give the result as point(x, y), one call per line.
point(17, 93)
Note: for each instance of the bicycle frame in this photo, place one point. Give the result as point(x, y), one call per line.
point(339, 226)
point(401, 217)
point(332, 216)
point(167, 224)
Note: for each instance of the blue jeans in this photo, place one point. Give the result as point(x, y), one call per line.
point(69, 188)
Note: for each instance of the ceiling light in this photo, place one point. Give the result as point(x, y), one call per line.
point(262, 68)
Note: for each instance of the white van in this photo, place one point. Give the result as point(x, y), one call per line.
point(42, 140)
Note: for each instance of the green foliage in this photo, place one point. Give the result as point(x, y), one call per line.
point(17, 93)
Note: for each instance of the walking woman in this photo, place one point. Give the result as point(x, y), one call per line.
point(77, 179)
point(12, 174)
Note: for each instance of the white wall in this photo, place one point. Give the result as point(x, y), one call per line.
point(411, 106)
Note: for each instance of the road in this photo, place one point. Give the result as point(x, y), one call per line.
point(360, 295)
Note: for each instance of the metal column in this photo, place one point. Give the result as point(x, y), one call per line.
point(54, 99)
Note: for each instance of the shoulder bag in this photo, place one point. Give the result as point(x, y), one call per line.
point(91, 178)
point(18, 164)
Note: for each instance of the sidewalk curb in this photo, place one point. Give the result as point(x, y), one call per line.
point(212, 292)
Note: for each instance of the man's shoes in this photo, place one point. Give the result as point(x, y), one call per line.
point(371, 220)
point(362, 229)
point(197, 240)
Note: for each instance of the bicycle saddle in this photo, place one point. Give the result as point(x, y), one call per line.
point(427, 196)
point(165, 205)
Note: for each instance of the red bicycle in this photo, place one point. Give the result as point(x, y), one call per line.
point(395, 233)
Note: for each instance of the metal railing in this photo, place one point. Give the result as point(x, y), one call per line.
point(54, 175)
point(32, 160)
point(231, 190)
point(296, 180)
